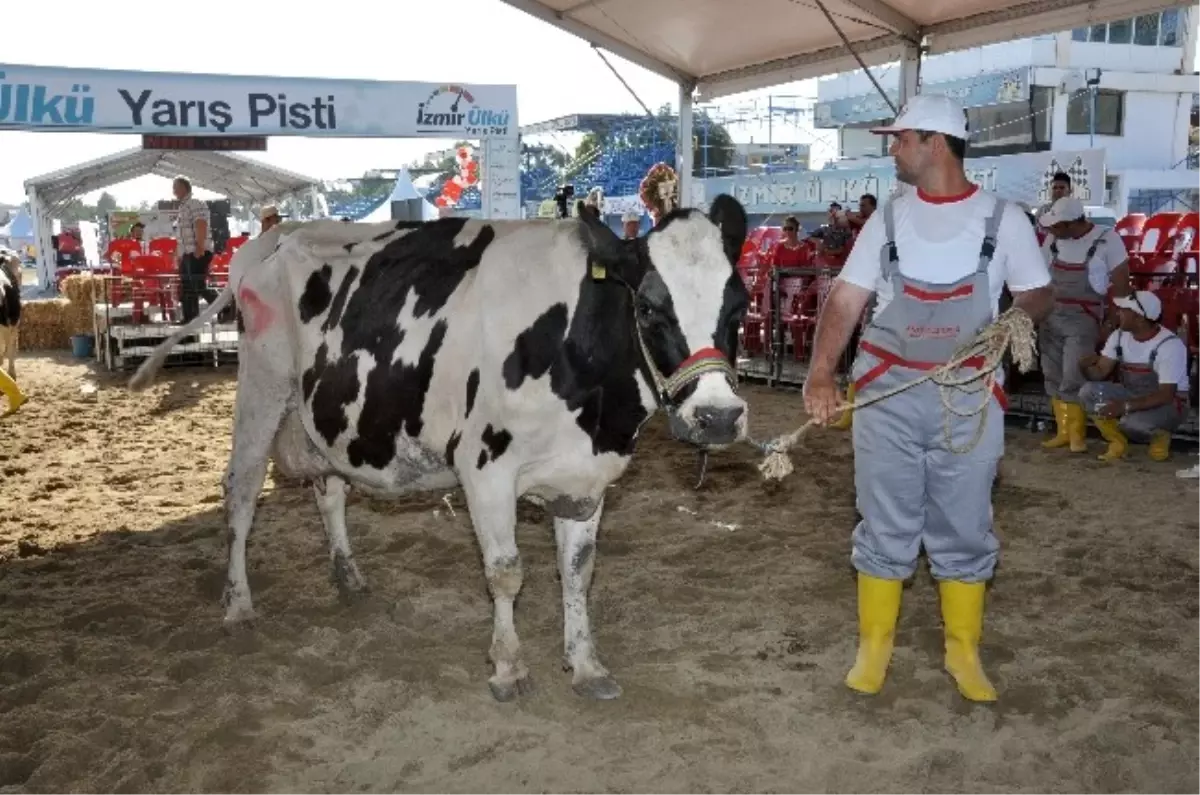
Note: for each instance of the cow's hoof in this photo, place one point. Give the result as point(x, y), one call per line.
point(504, 691)
point(600, 688)
point(349, 581)
point(238, 615)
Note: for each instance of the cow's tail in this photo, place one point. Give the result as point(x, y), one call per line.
point(145, 374)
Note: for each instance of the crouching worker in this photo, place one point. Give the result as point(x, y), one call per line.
point(1150, 399)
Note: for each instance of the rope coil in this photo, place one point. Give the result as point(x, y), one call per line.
point(1013, 330)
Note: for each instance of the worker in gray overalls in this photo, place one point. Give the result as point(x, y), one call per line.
point(1085, 260)
point(921, 475)
point(1151, 398)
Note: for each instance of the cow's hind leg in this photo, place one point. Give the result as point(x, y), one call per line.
point(576, 560)
point(330, 492)
point(493, 507)
point(257, 416)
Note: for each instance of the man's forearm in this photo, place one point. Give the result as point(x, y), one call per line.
point(1152, 401)
point(835, 326)
point(1036, 303)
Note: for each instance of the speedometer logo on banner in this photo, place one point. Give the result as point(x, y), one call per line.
point(452, 109)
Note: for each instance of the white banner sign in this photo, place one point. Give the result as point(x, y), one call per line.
point(98, 100)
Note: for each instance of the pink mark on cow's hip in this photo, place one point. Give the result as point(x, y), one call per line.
point(256, 313)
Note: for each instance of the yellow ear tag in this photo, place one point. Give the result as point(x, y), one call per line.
point(599, 272)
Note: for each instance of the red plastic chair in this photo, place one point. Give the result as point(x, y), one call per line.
point(1154, 261)
point(218, 271)
point(165, 246)
point(235, 243)
point(1130, 229)
point(120, 252)
point(155, 279)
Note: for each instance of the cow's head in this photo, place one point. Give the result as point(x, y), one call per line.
point(688, 302)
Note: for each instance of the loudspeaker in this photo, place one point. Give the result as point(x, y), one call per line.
point(407, 210)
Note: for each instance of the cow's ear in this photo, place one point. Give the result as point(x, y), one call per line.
point(607, 254)
point(730, 217)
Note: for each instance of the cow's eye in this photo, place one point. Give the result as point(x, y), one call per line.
point(645, 312)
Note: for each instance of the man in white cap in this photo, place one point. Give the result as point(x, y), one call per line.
point(936, 259)
point(1085, 260)
point(631, 224)
point(1151, 398)
point(269, 217)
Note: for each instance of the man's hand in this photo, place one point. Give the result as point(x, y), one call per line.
point(1112, 409)
point(199, 252)
point(822, 399)
point(1089, 360)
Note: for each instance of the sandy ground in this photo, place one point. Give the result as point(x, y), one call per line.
point(731, 644)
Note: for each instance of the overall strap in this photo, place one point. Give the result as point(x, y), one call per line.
point(988, 249)
point(1054, 247)
point(1154, 351)
point(1091, 252)
point(1117, 349)
point(889, 259)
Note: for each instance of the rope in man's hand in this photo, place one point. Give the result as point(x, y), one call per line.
point(1013, 330)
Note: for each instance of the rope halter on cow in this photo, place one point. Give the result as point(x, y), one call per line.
point(690, 370)
point(1012, 330)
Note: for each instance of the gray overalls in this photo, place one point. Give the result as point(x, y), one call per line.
point(1073, 328)
point(912, 488)
point(1136, 380)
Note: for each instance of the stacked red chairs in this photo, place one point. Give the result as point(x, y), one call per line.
point(758, 315)
point(1154, 263)
point(218, 272)
point(234, 243)
point(1130, 229)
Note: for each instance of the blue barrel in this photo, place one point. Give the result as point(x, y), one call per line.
point(81, 345)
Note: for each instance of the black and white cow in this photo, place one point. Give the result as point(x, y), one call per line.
point(518, 359)
point(10, 308)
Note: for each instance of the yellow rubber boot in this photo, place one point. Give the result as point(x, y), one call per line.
point(962, 613)
point(10, 390)
point(878, 609)
point(1062, 423)
point(1160, 446)
point(1110, 429)
point(1076, 427)
point(844, 422)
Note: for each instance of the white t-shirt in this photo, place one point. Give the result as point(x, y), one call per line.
point(1110, 254)
point(1170, 364)
point(938, 242)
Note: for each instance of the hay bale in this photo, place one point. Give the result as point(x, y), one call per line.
point(43, 325)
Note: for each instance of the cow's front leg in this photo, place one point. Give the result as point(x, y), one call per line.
point(331, 500)
point(493, 507)
point(576, 560)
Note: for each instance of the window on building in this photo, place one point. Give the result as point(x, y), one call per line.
point(1120, 32)
point(1110, 113)
point(1079, 34)
point(1098, 33)
point(1169, 28)
point(1145, 30)
point(1008, 125)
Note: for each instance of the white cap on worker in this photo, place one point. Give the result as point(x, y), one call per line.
point(267, 212)
point(631, 215)
point(1142, 302)
point(1066, 209)
point(930, 113)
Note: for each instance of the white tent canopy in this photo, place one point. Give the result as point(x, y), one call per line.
point(220, 172)
point(721, 47)
point(403, 190)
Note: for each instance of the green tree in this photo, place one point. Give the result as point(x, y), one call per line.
point(105, 204)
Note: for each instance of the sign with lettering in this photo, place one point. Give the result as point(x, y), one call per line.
point(206, 143)
point(100, 100)
point(1024, 178)
point(996, 88)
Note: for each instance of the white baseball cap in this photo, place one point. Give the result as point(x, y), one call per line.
point(1142, 302)
point(1066, 209)
point(930, 113)
point(268, 211)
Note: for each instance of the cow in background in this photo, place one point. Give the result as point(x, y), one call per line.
point(10, 316)
point(518, 359)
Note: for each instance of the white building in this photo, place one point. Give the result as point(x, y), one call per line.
point(1036, 95)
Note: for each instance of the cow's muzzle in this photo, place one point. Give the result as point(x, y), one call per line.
point(709, 426)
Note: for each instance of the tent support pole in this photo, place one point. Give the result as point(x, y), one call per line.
point(684, 152)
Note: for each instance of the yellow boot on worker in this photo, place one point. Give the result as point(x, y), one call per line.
point(1110, 429)
point(1062, 434)
point(1160, 446)
point(844, 422)
point(9, 388)
point(878, 609)
point(1076, 428)
point(962, 614)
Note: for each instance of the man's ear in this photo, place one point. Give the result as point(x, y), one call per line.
point(607, 254)
point(730, 217)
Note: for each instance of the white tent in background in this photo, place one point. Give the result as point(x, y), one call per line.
point(404, 190)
